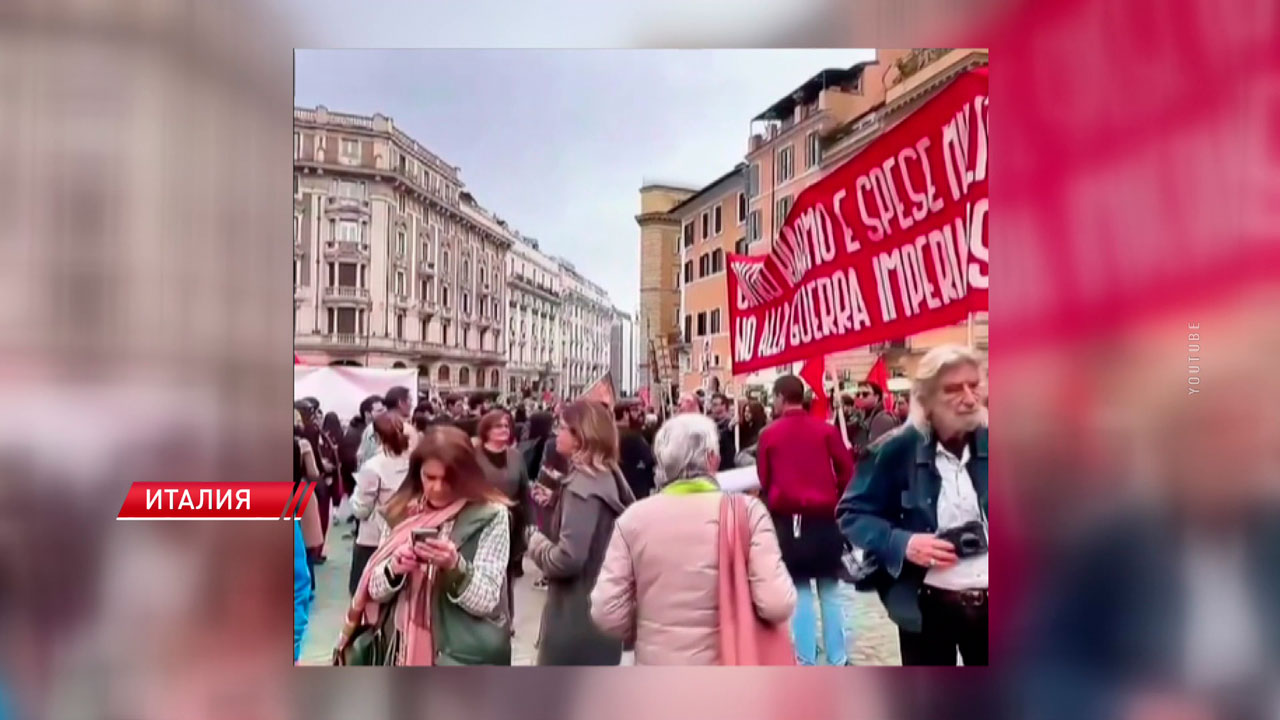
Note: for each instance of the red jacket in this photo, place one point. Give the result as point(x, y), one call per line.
point(803, 465)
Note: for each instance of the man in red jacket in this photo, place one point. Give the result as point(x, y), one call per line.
point(804, 467)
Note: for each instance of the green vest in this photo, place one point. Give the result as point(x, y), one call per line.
point(462, 638)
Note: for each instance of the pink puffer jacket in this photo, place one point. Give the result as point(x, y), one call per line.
point(660, 580)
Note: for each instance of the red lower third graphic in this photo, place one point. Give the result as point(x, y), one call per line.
point(216, 501)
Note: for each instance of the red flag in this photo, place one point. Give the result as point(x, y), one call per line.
point(601, 391)
point(879, 374)
point(297, 360)
point(811, 372)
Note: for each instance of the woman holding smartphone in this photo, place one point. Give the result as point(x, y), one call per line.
point(442, 570)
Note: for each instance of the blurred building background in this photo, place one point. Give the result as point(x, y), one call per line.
point(622, 353)
point(585, 325)
point(533, 345)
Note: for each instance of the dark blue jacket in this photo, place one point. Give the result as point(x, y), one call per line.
point(893, 496)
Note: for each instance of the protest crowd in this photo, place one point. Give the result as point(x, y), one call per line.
point(618, 506)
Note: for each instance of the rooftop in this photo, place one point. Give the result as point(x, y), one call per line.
point(811, 88)
point(737, 173)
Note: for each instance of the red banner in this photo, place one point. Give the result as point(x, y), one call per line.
point(216, 501)
point(892, 243)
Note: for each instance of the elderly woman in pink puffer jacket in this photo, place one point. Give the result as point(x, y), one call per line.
point(659, 585)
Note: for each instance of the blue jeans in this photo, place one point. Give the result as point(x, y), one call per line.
point(804, 624)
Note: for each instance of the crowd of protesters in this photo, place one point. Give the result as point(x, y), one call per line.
point(619, 509)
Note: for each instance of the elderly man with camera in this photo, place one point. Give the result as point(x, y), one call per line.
point(919, 509)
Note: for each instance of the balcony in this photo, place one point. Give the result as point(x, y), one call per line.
point(345, 250)
point(400, 301)
point(427, 267)
point(346, 339)
point(343, 292)
point(340, 204)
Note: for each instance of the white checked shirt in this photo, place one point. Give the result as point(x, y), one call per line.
point(957, 505)
point(486, 572)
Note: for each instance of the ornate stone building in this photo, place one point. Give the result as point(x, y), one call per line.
point(395, 265)
point(534, 301)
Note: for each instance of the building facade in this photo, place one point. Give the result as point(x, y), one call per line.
point(534, 291)
point(622, 354)
point(585, 321)
point(713, 223)
point(659, 318)
point(395, 265)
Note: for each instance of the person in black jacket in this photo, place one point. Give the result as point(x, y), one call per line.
point(635, 457)
point(722, 413)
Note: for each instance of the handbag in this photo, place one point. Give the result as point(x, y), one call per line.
point(371, 644)
point(745, 638)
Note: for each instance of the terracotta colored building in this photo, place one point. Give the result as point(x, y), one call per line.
point(713, 223)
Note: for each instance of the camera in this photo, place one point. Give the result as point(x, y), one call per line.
point(969, 539)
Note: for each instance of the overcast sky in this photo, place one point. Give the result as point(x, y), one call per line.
point(557, 142)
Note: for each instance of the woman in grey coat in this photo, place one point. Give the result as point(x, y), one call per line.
point(570, 555)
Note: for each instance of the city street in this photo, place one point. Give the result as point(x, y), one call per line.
point(872, 637)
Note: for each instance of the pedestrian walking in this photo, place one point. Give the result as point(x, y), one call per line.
point(635, 457)
point(376, 481)
point(722, 413)
point(804, 468)
point(441, 573)
point(588, 502)
point(921, 511)
point(504, 468)
point(325, 456)
point(305, 470)
point(661, 583)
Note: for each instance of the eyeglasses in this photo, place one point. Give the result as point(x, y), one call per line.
point(864, 394)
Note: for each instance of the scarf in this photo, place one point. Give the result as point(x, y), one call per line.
point(412, 605)
point(691, 486)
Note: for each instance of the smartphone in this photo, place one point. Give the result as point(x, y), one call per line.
point(423, 534)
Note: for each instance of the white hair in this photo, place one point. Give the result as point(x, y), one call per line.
point(924, 388)
point(683, 448)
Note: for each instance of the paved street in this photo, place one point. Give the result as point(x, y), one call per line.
point(872, 637)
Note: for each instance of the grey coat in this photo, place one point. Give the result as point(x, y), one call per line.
point(570, 558)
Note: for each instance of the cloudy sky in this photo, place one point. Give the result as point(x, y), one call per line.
point(558, 142)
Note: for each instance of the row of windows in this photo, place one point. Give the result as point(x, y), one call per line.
point(784, 164)
point(708, 264)
point(707, 323)
point(712, 224)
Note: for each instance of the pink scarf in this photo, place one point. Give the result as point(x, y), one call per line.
point(745, 639)
point(413, 614)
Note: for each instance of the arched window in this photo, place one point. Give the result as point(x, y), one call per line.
point(464, 376)
point(442, 374)
point(398, 365)
point(493, 376)
point(480, 379)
